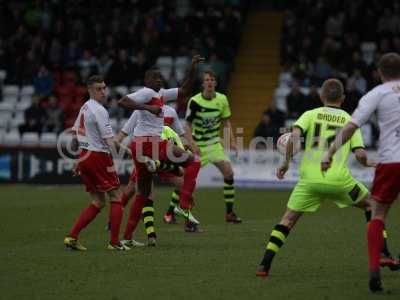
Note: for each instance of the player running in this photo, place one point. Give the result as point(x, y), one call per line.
point(319, 127)
point(147, 142)
point(95, 165)
point(385, 101)
point(174, 176)
point(205, 113)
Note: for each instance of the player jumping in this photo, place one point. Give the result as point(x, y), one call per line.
point(96, 168)
point(205, 113)
point(319, 127)
point(385, 101)
point(147, 142)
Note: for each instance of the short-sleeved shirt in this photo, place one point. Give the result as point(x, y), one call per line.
point(92, 126)
point(149, 124)
point(385, 101)
point(319, 127)
point(206, 116)
point(170, 119)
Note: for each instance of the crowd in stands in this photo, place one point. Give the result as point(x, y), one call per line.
point(333, 38)
point(56, 45)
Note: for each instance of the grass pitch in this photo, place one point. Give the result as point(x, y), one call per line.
point(324, 257)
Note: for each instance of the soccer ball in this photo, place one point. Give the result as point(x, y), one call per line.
point(282, 142)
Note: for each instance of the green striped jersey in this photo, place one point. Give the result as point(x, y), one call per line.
point(206, 116)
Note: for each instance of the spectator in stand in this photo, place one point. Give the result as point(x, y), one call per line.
point(122, 70)
point(295, 101)
point(35, 117)
point(104, 64)
point(54, 116)
point(140, 66)
point(353, 96)
point(359, 81)
point(87, 65)
point(322, 70)
point(266, 128)
point(278, 117)
point(312, 100)
point(43, 82)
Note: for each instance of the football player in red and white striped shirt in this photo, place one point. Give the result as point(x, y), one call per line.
point(95, 165)
point(147, 140)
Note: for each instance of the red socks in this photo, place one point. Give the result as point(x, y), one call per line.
point(134, 216)
point(87, 215)
point(375, 242)
point(189, 183)
point(116, 212)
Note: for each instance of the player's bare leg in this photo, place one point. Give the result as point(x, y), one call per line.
point(277, 239)
point(87, 216)
point(225, 167)
point(376, 243)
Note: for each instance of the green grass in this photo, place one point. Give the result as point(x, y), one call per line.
point(324, 258)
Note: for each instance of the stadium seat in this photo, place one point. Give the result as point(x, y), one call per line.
point(5, 117)
point(18, 120)
point(368, 52)
point(11, 90)
point(280, 103)
point(2, 134)
point(282, 91)
point(7, 106)
point(182, 62)
point(305, 90)
point(27, 90)
point(12, 138)
point(48, 139)
point(3, 75)
point(10, 98)
point(122, 90)
point(30, 139)
point(165, 64)
point(289, 123)
point(22, 106)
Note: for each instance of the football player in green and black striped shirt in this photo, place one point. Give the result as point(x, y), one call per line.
point(206, 112)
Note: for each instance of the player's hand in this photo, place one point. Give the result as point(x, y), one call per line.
point(281, 171)
point(75, 170)
point(371, 164)
point(156, 110)
point(326, 162)
point(196, 59)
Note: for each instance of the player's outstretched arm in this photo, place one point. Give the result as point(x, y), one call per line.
point(115, 146)
point(187, 86)
point(128, 103)
point(342, 138)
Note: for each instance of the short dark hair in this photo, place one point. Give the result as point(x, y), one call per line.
point(94, 79)
point(389, 65)
point(332, 90)
point(210, 73)
point(150, 71)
